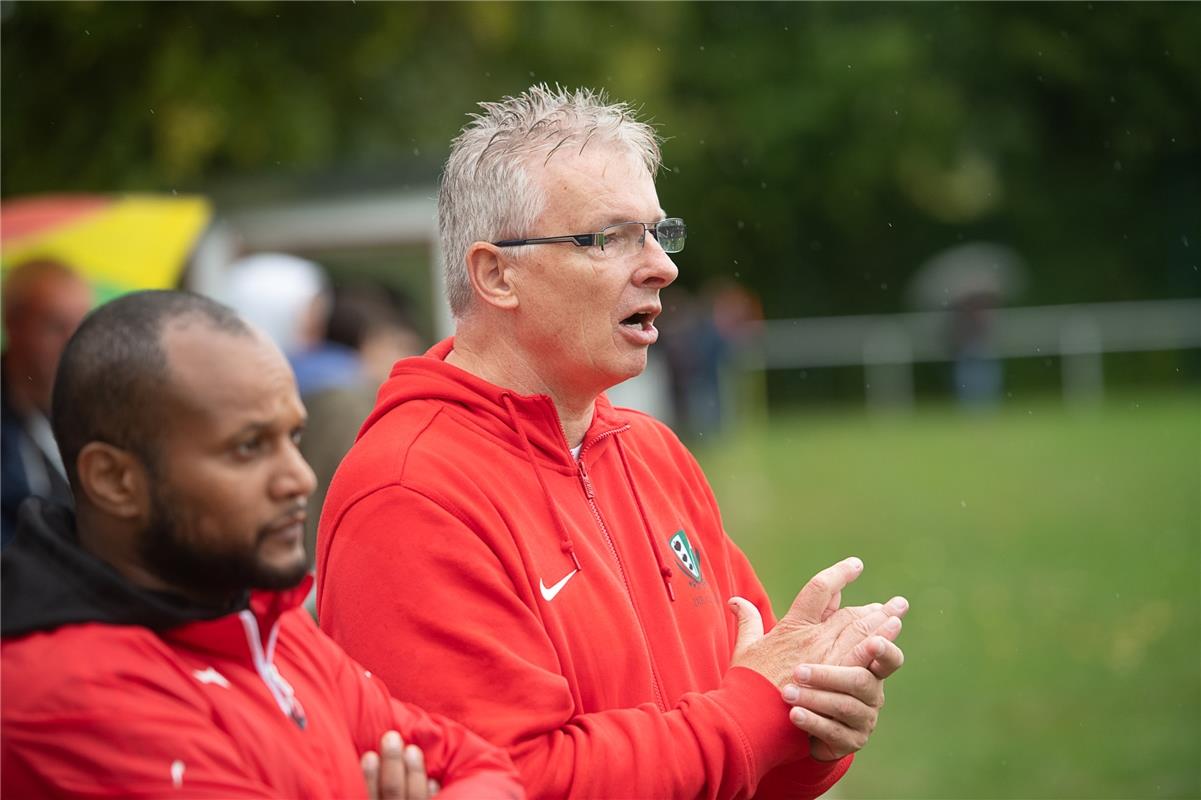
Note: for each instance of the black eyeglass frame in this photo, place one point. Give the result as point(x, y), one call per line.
point(598, 239)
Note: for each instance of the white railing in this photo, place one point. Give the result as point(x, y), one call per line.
point(887, 346)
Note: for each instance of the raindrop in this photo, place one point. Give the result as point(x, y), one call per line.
point(416, 151)
point(86, 32)
point(1112, 99)
point(963, 504)
point(890, 224)
point(1185, 240)
point(152, 111)
point(741, 224)
point(737, 274)
point(762, 184)
point(884, 287)
point(174, 192)
point(531, 73)
point(848, 66)
point(1117, 166)
point(702, 48)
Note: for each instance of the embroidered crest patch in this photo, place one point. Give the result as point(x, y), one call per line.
point(682, 548)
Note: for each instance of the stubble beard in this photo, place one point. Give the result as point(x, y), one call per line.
point(172, 548)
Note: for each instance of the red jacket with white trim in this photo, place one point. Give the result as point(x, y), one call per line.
point(573, 612)
point(252, 703)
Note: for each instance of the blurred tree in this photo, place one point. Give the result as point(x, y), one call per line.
point(819, 151)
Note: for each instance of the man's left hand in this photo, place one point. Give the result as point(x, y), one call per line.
point(839, 706)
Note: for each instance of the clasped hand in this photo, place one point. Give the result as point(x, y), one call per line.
point(397, 771)
point(829, 662)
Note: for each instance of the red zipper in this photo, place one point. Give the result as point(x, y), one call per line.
point(590, 494)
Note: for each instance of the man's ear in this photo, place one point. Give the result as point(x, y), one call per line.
point(114, 480)
point(491, 275)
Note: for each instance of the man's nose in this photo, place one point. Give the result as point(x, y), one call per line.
point(295, 477)
point(655, 268)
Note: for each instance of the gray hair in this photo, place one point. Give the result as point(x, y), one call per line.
point(487, 193)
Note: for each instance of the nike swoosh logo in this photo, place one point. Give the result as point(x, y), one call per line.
point(211, 675)
point(549, 592)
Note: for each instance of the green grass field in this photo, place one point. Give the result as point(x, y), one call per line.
point(1053, 563)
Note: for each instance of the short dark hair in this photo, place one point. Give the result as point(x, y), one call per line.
point(110, 380)
point(358, 312)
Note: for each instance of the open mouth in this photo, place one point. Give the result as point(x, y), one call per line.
point(640, 320)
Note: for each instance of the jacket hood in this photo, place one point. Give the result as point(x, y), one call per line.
point(527, 423)
point(47, 581)
point(502, 413)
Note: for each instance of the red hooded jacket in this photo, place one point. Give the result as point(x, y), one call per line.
point(573, 612)
point(256, 703)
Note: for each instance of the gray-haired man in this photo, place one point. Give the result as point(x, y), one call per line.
point(549, 569)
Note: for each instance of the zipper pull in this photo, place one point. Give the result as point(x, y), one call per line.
point(584, 480)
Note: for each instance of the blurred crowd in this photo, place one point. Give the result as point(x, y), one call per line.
point(341, 341)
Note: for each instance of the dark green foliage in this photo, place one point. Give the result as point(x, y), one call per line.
point(820, 152)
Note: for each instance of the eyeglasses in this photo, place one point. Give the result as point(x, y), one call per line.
point(619, 239)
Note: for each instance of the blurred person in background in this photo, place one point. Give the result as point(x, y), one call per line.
point(702, 338)
point(363, 320)
point(372, 321)
point(292, 300)
point(153, 643)
point(44, 302)
point(562, 562)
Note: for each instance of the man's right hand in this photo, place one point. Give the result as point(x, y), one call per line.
point(396, 772)
point(815, 630)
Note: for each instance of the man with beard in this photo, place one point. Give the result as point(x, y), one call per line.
point(153, 643)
